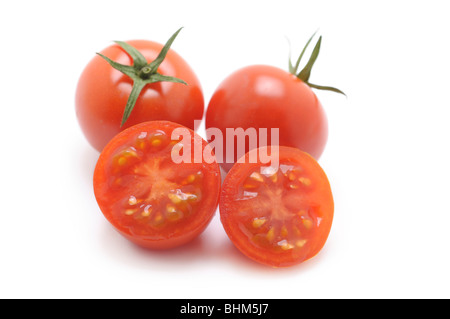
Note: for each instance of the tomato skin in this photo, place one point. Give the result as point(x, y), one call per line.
point(317, 196)
point(139, 231)
point(103, 91)
point(261, 96)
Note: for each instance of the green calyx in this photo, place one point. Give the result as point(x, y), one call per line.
point(305, 73)
point(141, 72)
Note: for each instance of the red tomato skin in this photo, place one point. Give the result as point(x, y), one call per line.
point(103, 91)
point(261, 96)
point(162, 241)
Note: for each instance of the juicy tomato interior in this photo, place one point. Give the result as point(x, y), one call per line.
point(150, 199)
point(278, 216)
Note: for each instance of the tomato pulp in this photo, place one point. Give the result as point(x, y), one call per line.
point(146, 196)
point(277, 215)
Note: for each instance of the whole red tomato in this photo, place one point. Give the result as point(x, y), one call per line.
point(262, 96)
point(103, 91)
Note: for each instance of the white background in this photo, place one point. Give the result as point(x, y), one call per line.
point(387, 155)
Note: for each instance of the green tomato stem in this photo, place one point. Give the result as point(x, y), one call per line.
point(142, 73)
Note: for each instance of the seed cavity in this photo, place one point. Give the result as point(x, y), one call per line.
point(270, 234)
point(132, 201)
point(157, 139)
point(258, 222)
point(190, 197)
point(175, 215)
point(285, 245)
point(175, 198)
point(269, 171)
point(141, 140)
point(307, 223)
point(274, 178)
point(178, 197)
point(122, 161)
point(130, 212)
point(190, 178)
point(131, 152)
point(284, 231)
point(257, 177)
point(156, 142)
point(159, 219)
point(125, 156)
point(249, 186)
point(171, 208)
point(147, 211)
point(253, 181)
point(305, 181)
point(300, 243)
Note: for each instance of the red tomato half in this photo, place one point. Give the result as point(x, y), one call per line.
point(146, 196)
point(263, 96)
point(103, 91)
point(277, 217)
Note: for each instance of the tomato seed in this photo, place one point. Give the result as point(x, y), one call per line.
point(271, 234)
point(132, 201)
point(305, 181)
point(307, 223)
point(256, 177)
point(300, 243)
point(130, 212)
point(258, 222)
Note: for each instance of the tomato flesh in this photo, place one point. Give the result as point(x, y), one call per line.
point(147, 197)
point(278, 217)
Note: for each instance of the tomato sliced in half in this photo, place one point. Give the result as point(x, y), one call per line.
point(277, 215)
point(146, 195)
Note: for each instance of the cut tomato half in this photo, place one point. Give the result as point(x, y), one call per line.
point(149, 198)
point(277, 215)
